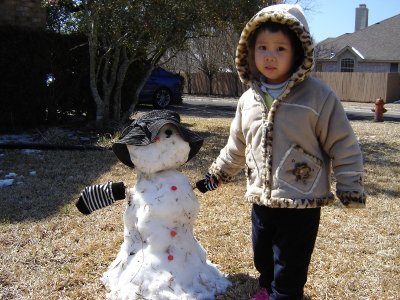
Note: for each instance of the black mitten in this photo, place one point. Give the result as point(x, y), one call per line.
point(100, 195)
point(209, 183)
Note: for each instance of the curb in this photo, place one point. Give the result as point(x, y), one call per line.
point(53, 147)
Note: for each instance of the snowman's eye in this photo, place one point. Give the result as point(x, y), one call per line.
point(168, 132)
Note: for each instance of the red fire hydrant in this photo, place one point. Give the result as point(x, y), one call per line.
point(379, 109)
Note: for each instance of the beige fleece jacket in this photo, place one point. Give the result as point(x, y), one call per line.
point(289, 151)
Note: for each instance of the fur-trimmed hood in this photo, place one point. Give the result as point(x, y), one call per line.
point(290, 167)
point(287, 14)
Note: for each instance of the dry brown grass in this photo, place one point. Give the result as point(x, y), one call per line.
point(48, 250)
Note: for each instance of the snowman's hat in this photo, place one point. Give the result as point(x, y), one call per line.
point(144, 130)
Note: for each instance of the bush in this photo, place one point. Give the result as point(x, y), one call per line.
point(45, 77)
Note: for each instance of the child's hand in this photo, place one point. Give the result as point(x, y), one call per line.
point(209, 183)
point(98, 196)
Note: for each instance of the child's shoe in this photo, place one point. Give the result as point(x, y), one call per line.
point(261, 295)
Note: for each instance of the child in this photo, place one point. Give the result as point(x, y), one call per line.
point(288, 132)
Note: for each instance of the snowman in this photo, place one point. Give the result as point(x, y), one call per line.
point(160, 258)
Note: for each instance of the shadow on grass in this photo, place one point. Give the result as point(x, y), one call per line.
point(380, 154)
point(372, 190)
point(381, 157)
point(46, 181)
point(243, 288)
point(369, 118)
point(60, 176)
point(204, 110)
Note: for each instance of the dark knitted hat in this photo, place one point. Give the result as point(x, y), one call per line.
point(144, 130)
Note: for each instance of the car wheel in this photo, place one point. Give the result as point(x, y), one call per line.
point(162, 98)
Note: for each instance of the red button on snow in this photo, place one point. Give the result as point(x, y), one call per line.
point(173, 233)
point(170, 257)
point(174, 188)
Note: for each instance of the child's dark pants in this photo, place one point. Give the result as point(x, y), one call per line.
point(283, 241)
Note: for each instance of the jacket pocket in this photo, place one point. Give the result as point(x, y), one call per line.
point(299, 170)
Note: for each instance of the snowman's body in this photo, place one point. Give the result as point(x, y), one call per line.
point(160, 257)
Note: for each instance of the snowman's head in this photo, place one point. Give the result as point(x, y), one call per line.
point(168, 151)
point(157, 141)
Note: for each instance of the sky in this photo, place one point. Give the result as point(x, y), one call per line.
point(332, 18)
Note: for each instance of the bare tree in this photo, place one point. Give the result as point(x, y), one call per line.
point(123, 32)
point(206, 52)
point(216, 52)
point(229, 40)
point(119, 34)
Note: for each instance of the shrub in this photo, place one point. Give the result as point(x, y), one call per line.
point(44, 77)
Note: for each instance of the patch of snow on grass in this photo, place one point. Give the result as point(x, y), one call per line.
point(30, 151)
point(16, 138)
point(6, 182)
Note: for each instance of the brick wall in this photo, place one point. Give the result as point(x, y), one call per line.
point(23, 13)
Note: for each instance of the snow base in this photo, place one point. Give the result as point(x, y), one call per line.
point(160, 258)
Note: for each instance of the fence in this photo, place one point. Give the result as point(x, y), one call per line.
point(363, 87)
point(223, 84)
point(355, 87)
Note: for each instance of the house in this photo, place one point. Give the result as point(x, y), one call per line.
point(371, 49)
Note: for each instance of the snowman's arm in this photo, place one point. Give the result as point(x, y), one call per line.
point(100, 195)
point(209, 183)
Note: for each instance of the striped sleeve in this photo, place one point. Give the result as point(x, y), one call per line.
point(97, 196)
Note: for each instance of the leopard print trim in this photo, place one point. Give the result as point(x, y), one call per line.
point(219, 174)
point(316, 160)
point(348, 199)
point(275, 202)
point(246, 69)
point(353, 199)
point(282, 14)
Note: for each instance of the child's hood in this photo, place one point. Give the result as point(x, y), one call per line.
point(290, 15)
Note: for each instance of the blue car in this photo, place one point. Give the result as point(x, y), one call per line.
point(162, 89)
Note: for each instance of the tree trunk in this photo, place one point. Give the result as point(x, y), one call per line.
point(189, 83)
point(236, 78)
point(93, 48)
point(95, 92)
point(109, 79)
point(210, 78)
point(132, 107)
point(123, 69)
point(100, 114)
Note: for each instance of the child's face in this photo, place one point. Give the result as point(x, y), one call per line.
point(273, 56)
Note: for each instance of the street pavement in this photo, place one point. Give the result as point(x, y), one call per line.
point(362, 111)
point(225, 107)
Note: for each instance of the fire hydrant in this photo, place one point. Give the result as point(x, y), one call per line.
point(379, 109)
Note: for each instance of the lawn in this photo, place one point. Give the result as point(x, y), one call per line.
point(48, 250)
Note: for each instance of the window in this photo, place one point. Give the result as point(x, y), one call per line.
point(394, 68)
point(347, 65)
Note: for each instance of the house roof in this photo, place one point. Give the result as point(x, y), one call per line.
point(378, 42)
